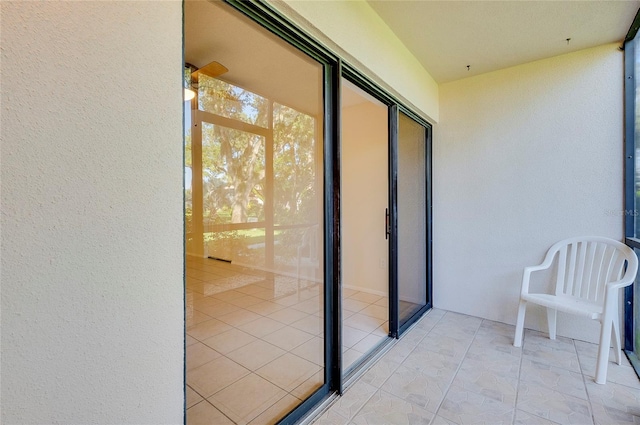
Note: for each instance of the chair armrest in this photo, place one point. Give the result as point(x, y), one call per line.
point(619, 284)
point(548, 260)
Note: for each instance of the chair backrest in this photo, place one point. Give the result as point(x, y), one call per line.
point(587, 264)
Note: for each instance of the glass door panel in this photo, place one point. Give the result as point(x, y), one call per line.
point(411, 217)
point(365, 248)
point(254, 213)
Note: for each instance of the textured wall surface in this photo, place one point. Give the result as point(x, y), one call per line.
point(524, 157)
point(355, 29)
point(92, 246)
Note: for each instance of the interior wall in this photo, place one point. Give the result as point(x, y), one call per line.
point(522, 158)
point(356, 32)
point(92, 215)
point(364, 190)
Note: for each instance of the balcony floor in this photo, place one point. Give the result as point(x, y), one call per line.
point(456, 369)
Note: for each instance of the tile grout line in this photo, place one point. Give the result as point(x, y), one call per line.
point(379, 388)
point(584, 382)
point(444, 395)
point(515, 406)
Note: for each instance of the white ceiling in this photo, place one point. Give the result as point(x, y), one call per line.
point(446, 36)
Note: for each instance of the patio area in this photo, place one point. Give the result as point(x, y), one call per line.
point(457, 369)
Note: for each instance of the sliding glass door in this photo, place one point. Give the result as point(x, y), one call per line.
point(365, 247)
point(254, 218)
point(307, 217)
point(411, 186)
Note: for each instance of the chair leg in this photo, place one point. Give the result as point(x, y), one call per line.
point(517, 340)
point(552, 315)
point(616, 341)
point(603, 352)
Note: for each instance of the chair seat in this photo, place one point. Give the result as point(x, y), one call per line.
point(567, 304)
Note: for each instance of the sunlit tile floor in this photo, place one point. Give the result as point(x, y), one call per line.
point(255, 345)
point(457, 369)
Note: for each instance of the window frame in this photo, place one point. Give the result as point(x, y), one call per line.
point(630, 207)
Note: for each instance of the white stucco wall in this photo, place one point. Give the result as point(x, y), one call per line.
point(356, 32)
point(524, 157)
point(92, 245)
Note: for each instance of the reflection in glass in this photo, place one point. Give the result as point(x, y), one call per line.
point(254, 218)
point(227, 100)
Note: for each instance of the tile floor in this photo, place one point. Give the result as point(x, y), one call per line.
point(457, 369)
point(255, 341)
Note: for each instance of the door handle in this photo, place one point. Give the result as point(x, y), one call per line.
point(387, 228)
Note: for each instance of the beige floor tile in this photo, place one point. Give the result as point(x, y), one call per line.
point(193, 317)
point(473, 377)
point(228, 341)
point(364, 323)
point(351, 336)
point(288, 371)
point(330, 418)
point(310, 306)
point(250, 289)
point(192, 397)
point(418, 388)
point(219, 309)
point(204, 413)
point(207, 329)
point(447, 346)
point(384, 408)
point(287, 315)
point(199, 354)
point(348, 292)
point(369, 342)
point(261, 327)
point(350, 357)
point(554, 378)
point(265, 308)
point(287, 300)
point(524, 418)
point(310, 324)
point(245, 301)
point(618, 374)
point(353, 400)
point(309, 386)
point(466, 407)
point(215, 375)
point(239, 317)
point(228, 295)
point(611, 401)
point(312, 350)
point(256, 354)
point(354, 305)
point(379, 312)
point(552, 405)
point(287, 338)
point(277, 411)
point(247, 398)
point(365, 297)
point(206, 302)
point(189, 340)
point(380, 372)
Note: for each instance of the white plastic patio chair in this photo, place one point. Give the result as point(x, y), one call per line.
point(590, 271)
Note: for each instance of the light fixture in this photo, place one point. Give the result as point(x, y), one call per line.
point(189, 93)
point(192, 73)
